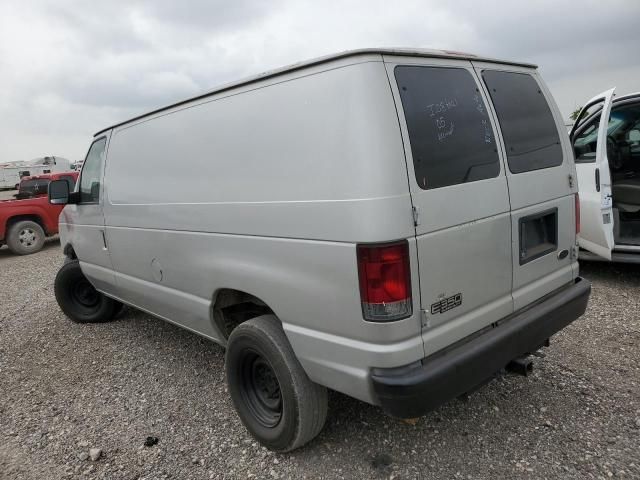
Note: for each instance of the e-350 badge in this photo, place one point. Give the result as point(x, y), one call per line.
point(446, 304)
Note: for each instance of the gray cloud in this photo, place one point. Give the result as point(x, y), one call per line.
point(208, 14)
point(69, 68)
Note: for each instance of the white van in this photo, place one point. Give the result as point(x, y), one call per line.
point(396, 225)
point(606, 142)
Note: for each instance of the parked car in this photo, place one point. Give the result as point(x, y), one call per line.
point(26, 223)
point(39, 184)
point(397, 225)
point(606, 142)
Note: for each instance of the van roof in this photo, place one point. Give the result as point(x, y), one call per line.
point(415, 52)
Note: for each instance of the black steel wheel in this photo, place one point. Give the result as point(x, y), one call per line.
point(260, 389)
point(79, 300)
point(83, 293)
point(275, 399)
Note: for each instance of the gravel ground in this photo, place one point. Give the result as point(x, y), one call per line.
point(66, 389)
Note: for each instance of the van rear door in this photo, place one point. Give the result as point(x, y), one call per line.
point(540, 177)
point(459, 192)
point(594, 176)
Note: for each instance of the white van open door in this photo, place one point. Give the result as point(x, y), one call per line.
point(594, 183)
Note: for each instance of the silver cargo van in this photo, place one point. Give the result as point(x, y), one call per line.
point(396, 225)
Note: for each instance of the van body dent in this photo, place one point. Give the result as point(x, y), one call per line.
point(407, 216)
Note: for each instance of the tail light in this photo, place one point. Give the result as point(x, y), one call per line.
point(577, 210)
point(385, 281)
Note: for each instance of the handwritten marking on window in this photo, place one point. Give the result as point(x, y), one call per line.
point(442, 106)
point(487, 131)
point(442, 134)
point(479, 104)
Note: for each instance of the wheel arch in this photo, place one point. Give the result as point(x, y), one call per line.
point(69, 252)
point(231, 307)
point(32, 217)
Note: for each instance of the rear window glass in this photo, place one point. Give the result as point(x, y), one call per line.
point(35, 184)
point(451, 137)
point(527, 124)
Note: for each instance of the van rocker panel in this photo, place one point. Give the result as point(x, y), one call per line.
point(415, 389)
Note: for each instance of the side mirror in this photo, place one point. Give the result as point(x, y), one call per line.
point(59, 192)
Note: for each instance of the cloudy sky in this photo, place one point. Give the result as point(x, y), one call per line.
point(69, 68)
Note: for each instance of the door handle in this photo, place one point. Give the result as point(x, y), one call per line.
point(597, 179)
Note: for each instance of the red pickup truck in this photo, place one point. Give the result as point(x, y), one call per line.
point(28, 220)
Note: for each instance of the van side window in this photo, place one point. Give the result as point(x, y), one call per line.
point(451, 137)
point(584, 145)
point(622, 122)
point(92, 173)
point(528, 128)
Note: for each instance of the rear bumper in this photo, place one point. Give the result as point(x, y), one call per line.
point(415, 389)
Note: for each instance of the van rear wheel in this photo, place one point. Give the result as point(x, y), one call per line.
point(25, 237)
point(79, 300)
point(276, 401)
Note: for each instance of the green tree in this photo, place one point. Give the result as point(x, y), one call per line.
point(575, 113)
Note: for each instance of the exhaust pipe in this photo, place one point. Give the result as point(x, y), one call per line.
point(521, 365)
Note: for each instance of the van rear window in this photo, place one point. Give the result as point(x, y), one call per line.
point(528, 128)
point(451, 137)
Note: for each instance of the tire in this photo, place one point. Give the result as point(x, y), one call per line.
point(25, 237)
point(79, 300)
point(276, 401)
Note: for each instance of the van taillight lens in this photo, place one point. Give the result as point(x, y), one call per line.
point(385, 281)
point(577, 210)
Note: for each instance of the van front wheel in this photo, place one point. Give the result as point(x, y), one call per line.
point(79, 300)
point(280, 406)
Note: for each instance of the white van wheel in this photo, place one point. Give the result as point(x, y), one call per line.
point(280, 406)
